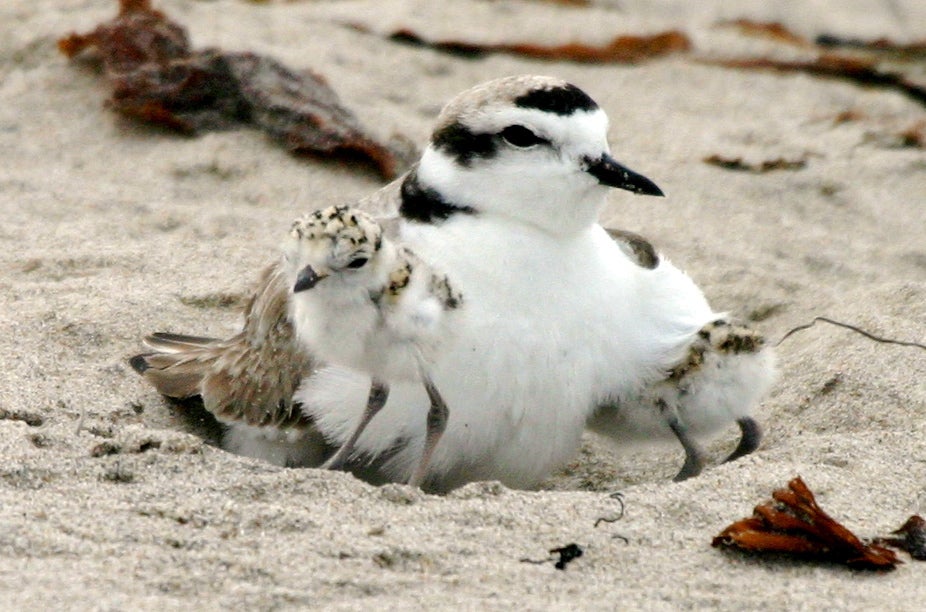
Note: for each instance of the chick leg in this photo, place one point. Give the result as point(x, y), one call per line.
point(438, 414)
point(694, 455)
point(751, 437)
point(379, 393)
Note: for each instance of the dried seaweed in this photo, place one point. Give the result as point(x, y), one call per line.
point(158, 78)
point(767, 29)
point(778, 32)
point(566, 553)
point(620, 513)
point(913, 137)
point(621, 49)
point(792, 523)
point(854, 60)
point(854, 328)
point(860, 71)
point(848, 116)
point(569, 2)
point(737, 164)
point(897, 51)
point(912, 538)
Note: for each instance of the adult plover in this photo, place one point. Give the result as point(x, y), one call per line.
point(566, 323)
point(359, 300)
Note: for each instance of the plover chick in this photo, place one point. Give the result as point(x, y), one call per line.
point(561, 317)
point(726, 371)
point(359, 300)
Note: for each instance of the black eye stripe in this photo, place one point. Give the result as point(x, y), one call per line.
point(520, 136)
point(358, 263)
point(463, 144)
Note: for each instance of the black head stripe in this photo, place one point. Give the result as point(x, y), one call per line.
point(564, 100)
point(459, 142)
point(420, 203)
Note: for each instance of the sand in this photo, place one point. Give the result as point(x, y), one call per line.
point(108, 500)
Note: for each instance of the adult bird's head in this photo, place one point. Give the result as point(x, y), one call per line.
point(530, 148)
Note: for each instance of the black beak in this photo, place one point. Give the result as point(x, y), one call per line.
point(610, 173)
point(307, 279)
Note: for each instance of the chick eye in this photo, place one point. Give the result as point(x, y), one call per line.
point(358, 263)
point(521, 137)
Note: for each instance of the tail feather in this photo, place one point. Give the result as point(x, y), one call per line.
point(175, 371)
point(139, 363)
point(175, 343)
point(177, 384)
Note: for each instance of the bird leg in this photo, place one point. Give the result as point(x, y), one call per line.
point(379, 393)
point(751, 437)
point(694, 456)
point(438, 414)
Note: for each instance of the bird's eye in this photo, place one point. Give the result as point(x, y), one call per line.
point(521, 137)
point(358, 263)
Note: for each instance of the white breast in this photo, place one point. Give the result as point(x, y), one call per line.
point(335, 322)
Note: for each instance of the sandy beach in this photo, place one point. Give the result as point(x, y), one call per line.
point(110, 500)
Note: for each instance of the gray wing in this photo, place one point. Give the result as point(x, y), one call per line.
point(250, 377)
point(636, 247)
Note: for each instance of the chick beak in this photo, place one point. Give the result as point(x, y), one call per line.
point(307, 279)
point(610, 173)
